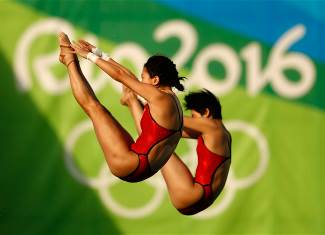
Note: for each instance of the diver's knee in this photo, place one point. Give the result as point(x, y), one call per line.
point(120, 166)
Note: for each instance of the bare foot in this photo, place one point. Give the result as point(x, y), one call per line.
point(67, 55)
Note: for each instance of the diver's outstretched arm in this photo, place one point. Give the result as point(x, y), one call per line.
point(104, 56)
point(120, 74)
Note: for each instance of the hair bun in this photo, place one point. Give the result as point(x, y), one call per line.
point(179, 86)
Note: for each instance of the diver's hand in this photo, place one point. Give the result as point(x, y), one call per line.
point(80, 49)
point(127, 96)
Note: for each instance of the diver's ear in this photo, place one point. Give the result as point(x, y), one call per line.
point(156, 80)
point(206, 113)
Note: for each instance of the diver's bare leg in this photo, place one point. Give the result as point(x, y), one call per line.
point(115, 141)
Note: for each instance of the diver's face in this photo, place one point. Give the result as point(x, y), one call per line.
point(195, 114)
point(149, 80)
point(145, 76)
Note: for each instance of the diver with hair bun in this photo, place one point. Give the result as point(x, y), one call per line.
point(161, 122)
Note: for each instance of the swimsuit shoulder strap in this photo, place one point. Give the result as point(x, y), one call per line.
point(180, 112)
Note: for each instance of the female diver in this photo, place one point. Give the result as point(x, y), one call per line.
point(161, 121)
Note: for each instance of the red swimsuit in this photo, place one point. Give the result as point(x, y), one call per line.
point(152, 133)
point(208, 164)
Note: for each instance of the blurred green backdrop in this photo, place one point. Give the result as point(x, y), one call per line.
point(264, 59)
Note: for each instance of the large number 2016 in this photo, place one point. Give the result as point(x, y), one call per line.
point(257, 77)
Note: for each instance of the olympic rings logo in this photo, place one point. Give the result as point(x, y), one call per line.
point(105, 180)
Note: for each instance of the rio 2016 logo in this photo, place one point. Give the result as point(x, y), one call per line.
point(257, 78)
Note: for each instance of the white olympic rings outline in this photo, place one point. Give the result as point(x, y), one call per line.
point(105, 179)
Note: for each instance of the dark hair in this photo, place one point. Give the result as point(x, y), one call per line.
point(165, 69)
point(201, 100)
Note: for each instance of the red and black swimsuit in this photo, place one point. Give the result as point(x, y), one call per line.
point(208, 164)
point(152, 133)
